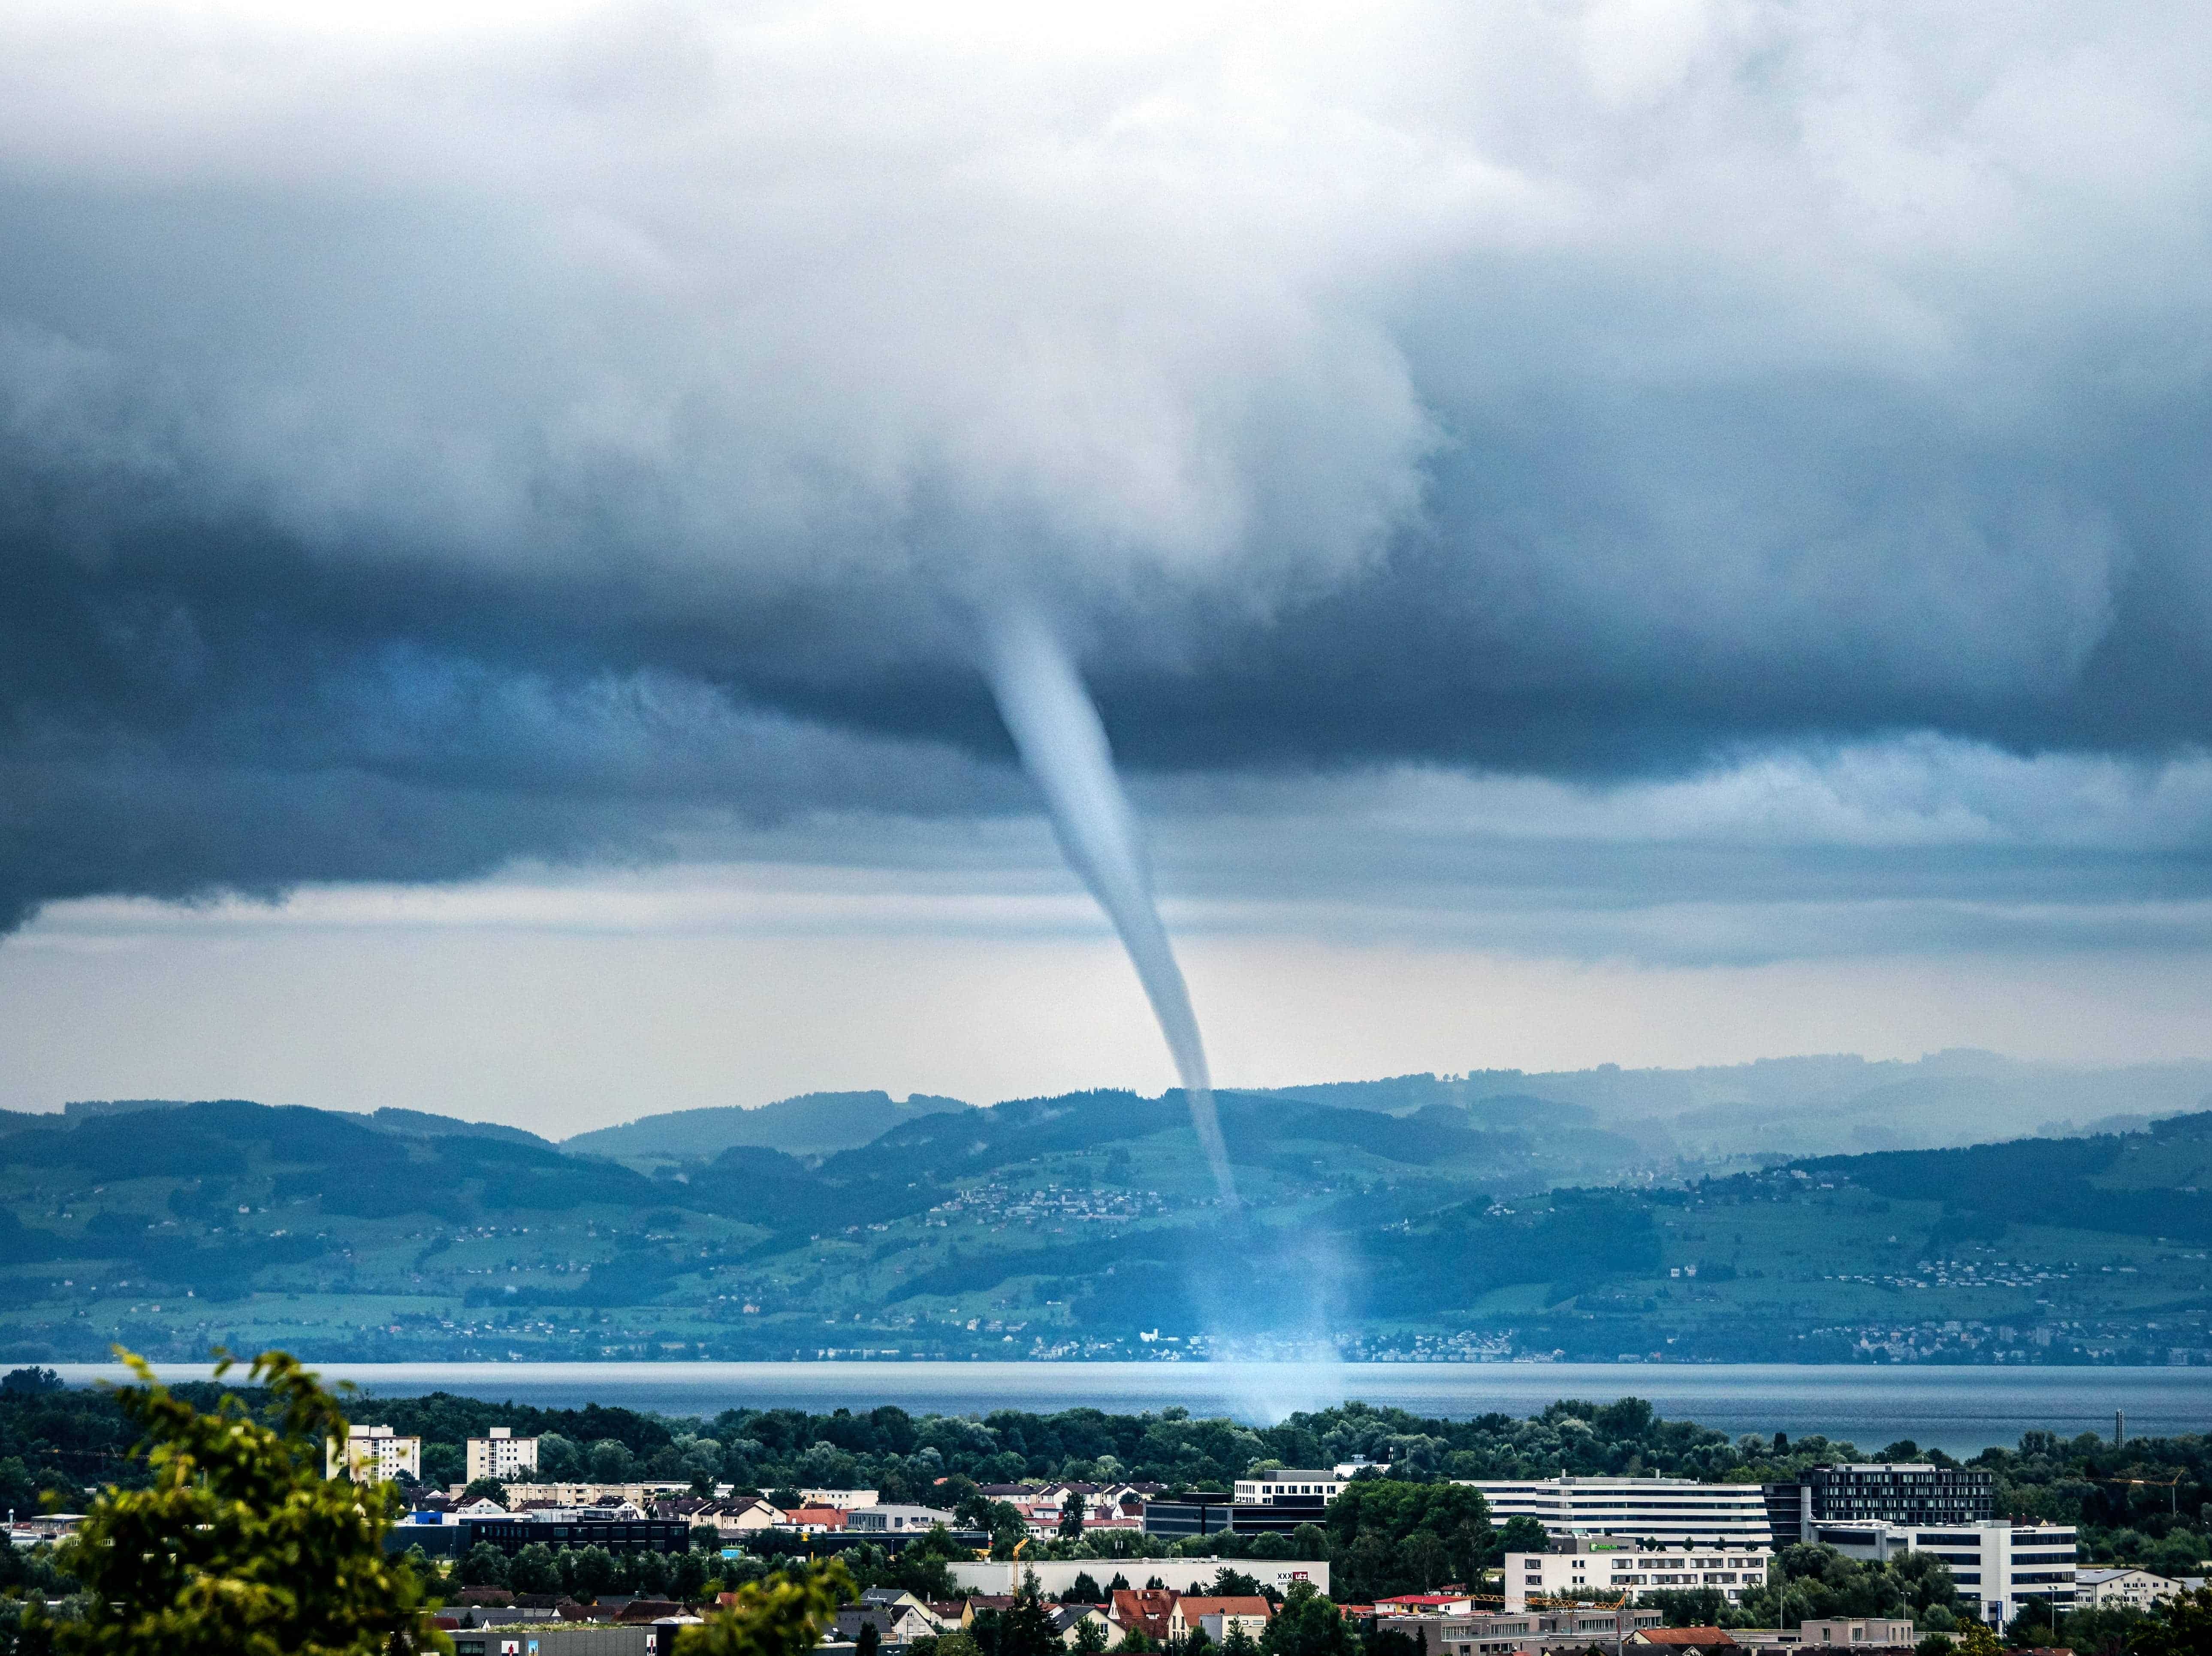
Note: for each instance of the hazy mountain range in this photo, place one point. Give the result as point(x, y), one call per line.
point(1711, 1214)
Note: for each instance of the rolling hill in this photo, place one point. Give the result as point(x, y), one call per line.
point(1087, 1225)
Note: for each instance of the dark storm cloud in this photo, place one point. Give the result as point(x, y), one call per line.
point(453, 453)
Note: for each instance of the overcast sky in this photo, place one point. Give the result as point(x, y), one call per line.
point(1637, 530)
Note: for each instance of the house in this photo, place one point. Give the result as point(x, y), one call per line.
point(501, 1455)
point(1704, 1641)
point(977, 1603)
point(733, 1518)
point(1148, 1608)
point(373, 1454)
point(844, 1500)
point(1068, 1619)
point(907, 1617)
point(850, 1620)
point(814, 1520)
point(1219, 1616)
point(2138, 1589)
point(481, 1507)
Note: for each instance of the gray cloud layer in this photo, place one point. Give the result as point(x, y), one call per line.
point(419, 449)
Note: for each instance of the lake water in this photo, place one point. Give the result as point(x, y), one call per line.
point(1960, 1410)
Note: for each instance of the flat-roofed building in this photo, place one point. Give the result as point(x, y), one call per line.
point(1910, 1493)
point(885, 1518)
point(501, 1455)
point(1295, 1482)
point(2000, 1568)
point(1613, 1569)
point(1870, 1632)
point(373, 1454)
point(1572, 1627)
point(1661, 1509)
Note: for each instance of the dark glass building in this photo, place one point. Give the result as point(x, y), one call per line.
point(1910, 1494)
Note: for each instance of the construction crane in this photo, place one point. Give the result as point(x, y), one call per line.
point(2171, 1485)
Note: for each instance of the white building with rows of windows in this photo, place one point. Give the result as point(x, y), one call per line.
point(1674, 1511)
point(373, 1454)
point(1303, 1482)
point(1614, 1570)
point(503, 1455)
point(1999, 1567)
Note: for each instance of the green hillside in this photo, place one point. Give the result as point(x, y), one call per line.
point(1087, 1225)
point(813, 1123)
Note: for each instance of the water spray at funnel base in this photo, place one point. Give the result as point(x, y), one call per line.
point(1064, 748)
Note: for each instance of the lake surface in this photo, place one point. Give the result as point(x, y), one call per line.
point(1960, 1410)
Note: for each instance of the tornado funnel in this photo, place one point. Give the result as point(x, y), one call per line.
point(1063, 747)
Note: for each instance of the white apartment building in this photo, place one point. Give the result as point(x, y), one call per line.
point(844, 1500)
point(1669, 1510)
point(2138, 1589)
point(1304, 1481)
point(1624, 1570)
point(373, 1454)
point(503, 1455)
point(2000, 1567)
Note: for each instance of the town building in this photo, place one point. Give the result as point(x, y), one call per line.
point(2136, 1589)
point(1217, 1617)
point(1911, 1494)
point(1145, 1610)
point(1197, 1512)
point(503, 1455)
point(844, 1500)
point(1870, 1632)
point(1056, 1576)
point(1425, 1604)
point(1068, 1622)
point(1688, 1641)
point(1525, 1633)
point(2000, 1567)
point(514, 1532)
point(373, 1454)
point(816, 1521)
point(886, 1518)
point(1607, 1568)
point(1262, 1488)
point(1659, 1509)
point(588, 1494)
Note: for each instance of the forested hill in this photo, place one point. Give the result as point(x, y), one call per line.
point(1086, 1226)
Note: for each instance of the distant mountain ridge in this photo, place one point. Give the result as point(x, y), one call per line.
point(812, 1124)
point(1667, 1122)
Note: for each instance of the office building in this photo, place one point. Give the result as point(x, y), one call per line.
point(887, 1518)
point(1572, 1627)
point(1670, 1511)
point(1293, 1483)
point(503, 1455)
point(373, 1454)
point(1911, 1494)
point(1624, 1570)
point(2000, 1568)
point(1199, 1513)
